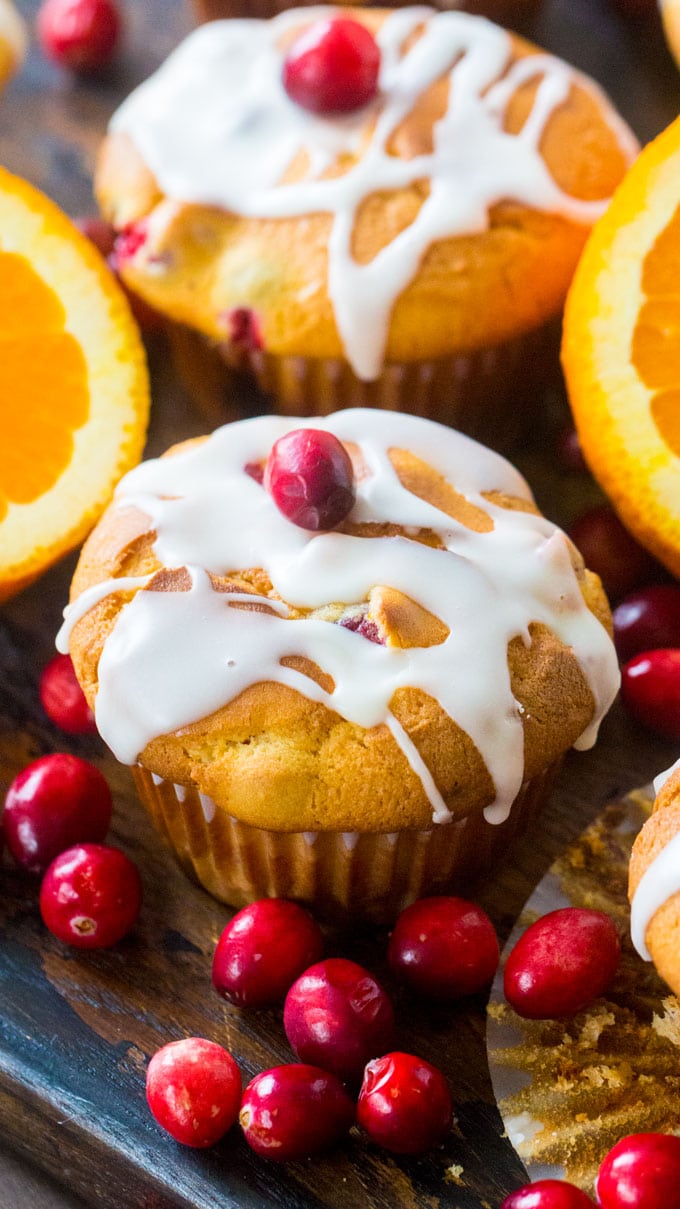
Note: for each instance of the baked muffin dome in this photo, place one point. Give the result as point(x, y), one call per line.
point(446, 217)
point(420, 663)
point(654, 881)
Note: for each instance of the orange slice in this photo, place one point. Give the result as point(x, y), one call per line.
point(621, 349)
point(12, 40)
point(74, 394)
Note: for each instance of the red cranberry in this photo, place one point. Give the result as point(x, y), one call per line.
point(570, 453)
point(610, 550)
point(57, 801)
point(263, 950)
point(647, 620)
point(310, 478)
point(444, 947)
point(291, 1112)
point(360, 623)
point(641, 1172)
point(548, 1194)
point(333, 66)
point(404, 1104)
point(650, 688)
point(128, 242)
point(63, 700)
point(244, 328)
point(81, 35)
point(561, 963)
point(337, 1016)
point(98, 231)
point(193, 1088)
point(90, 896)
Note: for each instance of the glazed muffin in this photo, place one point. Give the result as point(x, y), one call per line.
point(409, 254)
point(654, 881)
point(507, 12)
point(12, 41)
point(351, 716)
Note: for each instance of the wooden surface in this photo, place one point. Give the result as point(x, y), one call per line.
point(76, 1031)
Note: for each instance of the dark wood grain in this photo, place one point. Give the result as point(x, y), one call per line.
point(76, 1031)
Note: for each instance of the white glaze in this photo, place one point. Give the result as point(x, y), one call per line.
point(659, 882)
point(216, 127)
point(175, 657)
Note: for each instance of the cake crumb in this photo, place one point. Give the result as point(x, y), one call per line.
point(453, 1174)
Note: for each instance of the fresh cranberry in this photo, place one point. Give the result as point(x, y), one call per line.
point(98, 231)
point(263, 950)
point(650, 688)
point(404, 1104)
point(337, 1016)
point(193, 1088)
point(561, 963)
point(444, 947)
point(570, 453)
point(310, 478)
point(641, 1172)
point(81, 35)
point(610, 550)
point(57, 801)
point(647, 620)
point(90, 896)
point(548, 1194)
point(333, 66)
point(244, 328)
point(63, 700)
point(128, 242)
point(293, 1111)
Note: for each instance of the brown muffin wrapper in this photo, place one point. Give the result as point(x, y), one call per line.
point(502, 11)
point(491, 395)
point(339, 875)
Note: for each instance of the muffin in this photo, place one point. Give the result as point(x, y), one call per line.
point(654, 881)
point(505, 11)
point(351, 717)
point(409, 254)
point(12, 41)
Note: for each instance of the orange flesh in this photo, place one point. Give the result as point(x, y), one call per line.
point(656, 339)
point(43, 366)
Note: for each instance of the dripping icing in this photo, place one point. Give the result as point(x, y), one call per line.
point(485, 587)
point(659, 882)
point(215, 127)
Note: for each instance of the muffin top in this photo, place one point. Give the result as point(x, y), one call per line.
point(654, 880)
point(440, 646)
point(444, 215)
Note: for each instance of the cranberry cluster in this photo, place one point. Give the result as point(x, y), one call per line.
point(339, 1021)
point(647, 612)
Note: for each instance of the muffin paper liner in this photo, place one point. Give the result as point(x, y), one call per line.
point(372, 875)
point(492, 395)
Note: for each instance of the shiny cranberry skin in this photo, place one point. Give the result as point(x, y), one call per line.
point(293, 1111)
point(647, 620)
point(98, 231)
point(55, 802)
point(444, 947)
point(310, 478)
point(650, 689)
point(337, 1016)
point(332, 67)
point(193, 1088)
point(561, 963)
point(548, 1194)
point(611, 551)
point(404, 1104)
point(82, 35)
point(63, 700)
point(90, 896)
point(261, 952)
point(641, 1172)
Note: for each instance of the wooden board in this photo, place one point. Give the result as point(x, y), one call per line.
point(76, 1031)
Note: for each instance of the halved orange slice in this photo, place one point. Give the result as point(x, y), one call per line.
point(74, 395)
point(12, 40)
point(621, 349)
